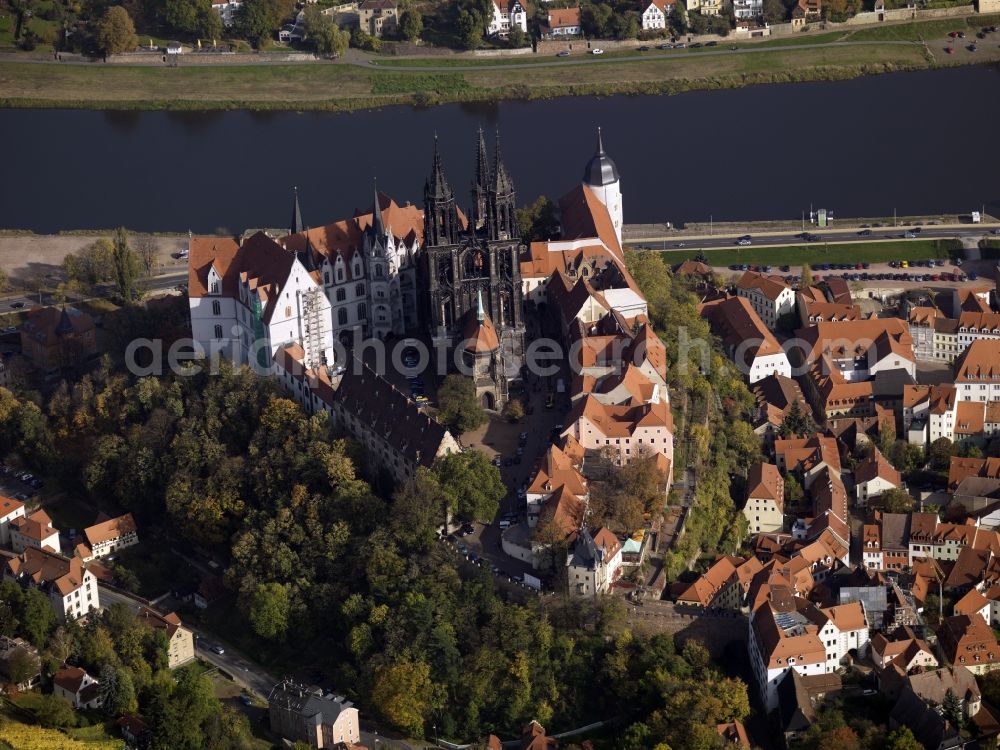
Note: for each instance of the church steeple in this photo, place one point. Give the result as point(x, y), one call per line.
point(480, 186)
point(440, 216)
point(377, 224)
point(296, 226)
point(502, 219)
point(480, 310)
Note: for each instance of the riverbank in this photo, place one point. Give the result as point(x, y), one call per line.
point(346, 86)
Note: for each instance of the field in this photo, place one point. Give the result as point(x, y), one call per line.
point(21, 736)
point(795, 255)
point(345, 87)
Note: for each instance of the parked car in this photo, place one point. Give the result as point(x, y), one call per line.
point(564, 53)
point(597, 51)
point(16, 305)
point(468, 528)
point(218, 650)
point(865, 233)
point(644, 48)
point(246, 700)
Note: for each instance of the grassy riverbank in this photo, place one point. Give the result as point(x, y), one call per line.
point(350, 87)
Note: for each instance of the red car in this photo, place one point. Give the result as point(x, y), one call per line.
point(949, 50)
point(953, 34)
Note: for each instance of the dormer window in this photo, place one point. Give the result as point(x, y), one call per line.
point(340, 274)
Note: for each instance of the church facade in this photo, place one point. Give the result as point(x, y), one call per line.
point(472, 265)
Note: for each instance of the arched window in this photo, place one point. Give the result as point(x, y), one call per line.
point(326, 277)
point(340, 274)
point(379, 273)
point(362, 311)
point(342, 316)
point(218, 332)
point(359, 290)
point(357, 270)
point(341, 295)
point(216, 307)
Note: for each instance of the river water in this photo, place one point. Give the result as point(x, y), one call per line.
point(922, 142)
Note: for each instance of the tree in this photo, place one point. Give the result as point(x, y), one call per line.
point(405, 694)
point(514, 410)
point(458, 407)
point(418, 509)
point(192, 17)
point(841, 738)
point(951, 708)
point(471, 485)
point(517, 38)
point(470, 28)
point(256, 20)
point(797, 422)
point(940, 454)
point(146, 250)
point(896, 501)
point(793, 490)
point(115, 32)
point(902, 739)
point(596, 20)
point(36, 616)
point(411, 24)
point(269, 610)
point(539, 221)
point(679, 18)
point(807, 277)
point(22, 666)
point(774, 11)
point(118, 690)
point(324, 32)
point(126, 266)
point(53, 711)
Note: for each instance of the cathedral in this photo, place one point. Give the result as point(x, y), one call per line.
point(471, 264)
point(458, 276)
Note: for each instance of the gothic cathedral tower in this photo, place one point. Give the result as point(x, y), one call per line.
point(465, 257)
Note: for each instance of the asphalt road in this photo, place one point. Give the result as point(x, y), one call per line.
point(244, 672)
point(680, 240)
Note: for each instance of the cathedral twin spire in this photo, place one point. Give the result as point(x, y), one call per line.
point(493, 201)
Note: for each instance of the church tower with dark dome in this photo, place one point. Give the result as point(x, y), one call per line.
point(601, 176)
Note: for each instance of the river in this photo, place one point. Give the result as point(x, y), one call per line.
point(920, 143)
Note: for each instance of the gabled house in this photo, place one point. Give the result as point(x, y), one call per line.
point(34, 531)
point(765, 498)
point(874, 476)
point(78, 687)
point(594, 563)
point(507, 14)
point(113, 534)
point(655, 15)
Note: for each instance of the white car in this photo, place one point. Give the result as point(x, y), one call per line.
point(597, 51)
point(743, 241)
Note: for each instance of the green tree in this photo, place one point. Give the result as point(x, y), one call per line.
point(269, 610)
point(324, 32)
point(418, 510)
point(951, 708)
point(405, 695)
point(470, 28)
point(192, 17)
point(896, 501)
point(798, 422)
point(679, 18)
point(22, 665)
point(411, 24)
point(36, 617)
point(514, 410)
point(471, 485)
point(902, 739)
point(940, 454)
point(458, 406)
point(118, 691)
point(517, 38)
point(539, 221)
point(596, 20)
point(126, 266)
point(115, 32)
point(53, 711)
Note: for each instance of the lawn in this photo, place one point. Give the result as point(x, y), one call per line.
point(334, 86)
point(795, 255)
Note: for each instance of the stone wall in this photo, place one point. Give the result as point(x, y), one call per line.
point(209, 58)
point(988, 6)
